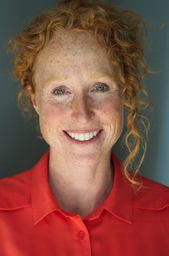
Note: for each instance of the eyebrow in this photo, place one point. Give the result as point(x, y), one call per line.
point(96, 77)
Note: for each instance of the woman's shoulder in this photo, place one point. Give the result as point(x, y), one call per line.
point(151, 195)
point(16, 180)
point(15, 191)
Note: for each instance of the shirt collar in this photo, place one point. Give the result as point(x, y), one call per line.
point(118, 203)
point(42, 200)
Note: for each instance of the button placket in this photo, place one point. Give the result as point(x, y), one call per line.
point(81, 237)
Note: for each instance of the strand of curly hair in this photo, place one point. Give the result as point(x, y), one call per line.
point(123, 33)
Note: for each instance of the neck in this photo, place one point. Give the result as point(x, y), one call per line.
point(79, 188)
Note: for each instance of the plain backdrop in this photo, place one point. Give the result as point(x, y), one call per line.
point(20, 148)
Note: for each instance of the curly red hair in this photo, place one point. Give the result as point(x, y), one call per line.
point(123, 33)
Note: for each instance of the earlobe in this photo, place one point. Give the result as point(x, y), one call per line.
point(34, 103)
point(33, 99)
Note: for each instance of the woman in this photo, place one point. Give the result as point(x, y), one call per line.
point(80, 67)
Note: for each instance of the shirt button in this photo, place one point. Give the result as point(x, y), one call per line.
point(81, 234)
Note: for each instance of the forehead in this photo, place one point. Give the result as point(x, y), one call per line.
point(72, 51)
point(75, 43)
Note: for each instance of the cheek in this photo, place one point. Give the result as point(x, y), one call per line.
point(113, 110)
point(51, 115)
point(50, 120)
point(113, 116)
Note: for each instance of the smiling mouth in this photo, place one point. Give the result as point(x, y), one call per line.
point(83, 136)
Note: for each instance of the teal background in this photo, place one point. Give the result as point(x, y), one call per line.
point(19, 147)
point(156, 13)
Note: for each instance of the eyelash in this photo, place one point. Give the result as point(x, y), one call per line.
point(100, 85)
point(57, 94)
point(97, 91)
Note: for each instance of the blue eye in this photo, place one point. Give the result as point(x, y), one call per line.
point(101, 88)
point(59, 92)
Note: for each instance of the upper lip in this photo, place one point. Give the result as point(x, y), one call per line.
point(82, 130)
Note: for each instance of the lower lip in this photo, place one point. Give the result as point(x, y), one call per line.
point(85, 142)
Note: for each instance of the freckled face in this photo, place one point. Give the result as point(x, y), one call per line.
point(76, 95)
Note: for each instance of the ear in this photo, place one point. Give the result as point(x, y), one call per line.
point(33, 98)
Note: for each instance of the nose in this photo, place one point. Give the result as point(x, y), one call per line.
point(82, 110)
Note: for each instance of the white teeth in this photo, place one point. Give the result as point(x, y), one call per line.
point(83, 136)
point(87, 136)
point(75, 136)
point(91, 135)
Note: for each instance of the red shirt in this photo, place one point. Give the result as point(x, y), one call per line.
point(127, 223)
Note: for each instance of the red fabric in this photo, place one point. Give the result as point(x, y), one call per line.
point(127, 223)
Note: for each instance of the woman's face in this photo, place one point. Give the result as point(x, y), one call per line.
point(77, 98)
